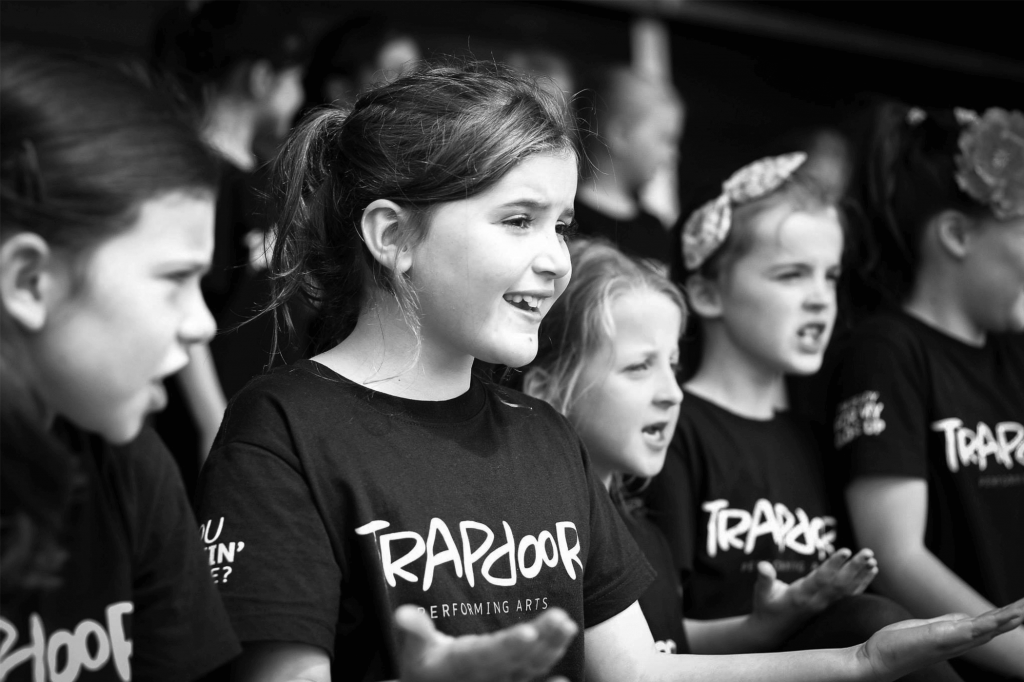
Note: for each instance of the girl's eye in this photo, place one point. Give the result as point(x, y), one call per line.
point(180, 277)
point(788, 275)
point(638, 367)
point(568, 231)
point(521, 222)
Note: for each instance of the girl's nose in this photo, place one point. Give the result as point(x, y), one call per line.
point(821, 295)
point(669, 392)
point(198, 326)
point(553, 258)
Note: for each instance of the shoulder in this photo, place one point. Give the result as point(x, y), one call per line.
point(518, 406)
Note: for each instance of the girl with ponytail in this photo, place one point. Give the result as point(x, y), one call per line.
point(377, 511)
point(928, 399)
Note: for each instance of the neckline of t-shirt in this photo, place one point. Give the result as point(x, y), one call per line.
point(458, 409)
point(701, 400)
point(942, 336)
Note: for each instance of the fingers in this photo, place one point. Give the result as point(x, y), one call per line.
point(553, 631)
point(998, 621)
point(418, 627)
point(857, 573)
point(766, 572)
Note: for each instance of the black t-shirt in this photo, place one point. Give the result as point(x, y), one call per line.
point(642, 236)
point(736, 491)
point(136, 599)
point(662, 602)
point(910, 401)
point(326, 505)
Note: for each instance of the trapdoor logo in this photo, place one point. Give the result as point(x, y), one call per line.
point(732, 528)
point(64, 654)
point(966, 447)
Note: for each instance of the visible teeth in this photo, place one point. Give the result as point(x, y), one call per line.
point(530, 301)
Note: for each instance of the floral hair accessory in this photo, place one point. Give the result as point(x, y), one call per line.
point(915, 115)
point(990, 166)
point(709, 225)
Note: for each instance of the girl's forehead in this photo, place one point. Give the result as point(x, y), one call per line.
point(782, 232)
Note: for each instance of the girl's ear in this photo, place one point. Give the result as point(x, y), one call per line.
point(381, 226)
point(704, 297)
point(952, 231)
point(26, 281)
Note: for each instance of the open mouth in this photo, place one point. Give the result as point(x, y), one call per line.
point(812, 332)
point(530, 304)
point(656, 430)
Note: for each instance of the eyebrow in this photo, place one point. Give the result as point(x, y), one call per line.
point(536, 206)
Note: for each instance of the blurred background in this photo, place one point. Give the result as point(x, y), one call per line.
point(756, 77)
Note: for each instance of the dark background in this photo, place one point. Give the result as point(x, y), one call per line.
point(753, 73)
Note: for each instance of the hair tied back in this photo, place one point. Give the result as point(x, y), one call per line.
point(28, 179)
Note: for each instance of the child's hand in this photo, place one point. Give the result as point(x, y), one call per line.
point(521, 652)
point(782, 608)
point(902, 647)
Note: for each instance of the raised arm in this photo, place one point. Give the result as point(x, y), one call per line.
point(889, 514)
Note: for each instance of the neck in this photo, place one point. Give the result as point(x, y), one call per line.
point(382, 353)
point(230, 129)
point(936, 301)
point(732, 379)
point(607, 193)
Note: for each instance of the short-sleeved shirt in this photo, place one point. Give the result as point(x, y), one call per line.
point(662, 602)
point(325, 505)
point(736, 491)
point(136, 600)
point(911, 401)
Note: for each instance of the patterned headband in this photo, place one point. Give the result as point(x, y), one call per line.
point(709, 225)
point(990, 166)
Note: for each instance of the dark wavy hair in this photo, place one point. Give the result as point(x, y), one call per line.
point(904, 177)
point(439, 133)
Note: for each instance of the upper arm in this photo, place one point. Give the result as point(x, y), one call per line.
point(888, 513)
point(282, 662)
point(617, 647)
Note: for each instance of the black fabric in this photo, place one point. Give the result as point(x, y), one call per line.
point(642, 236)
point(736, 491)
point(911, 401)
point(241, 348)
point(662, 602)
point(136, 600)
point(326, 505)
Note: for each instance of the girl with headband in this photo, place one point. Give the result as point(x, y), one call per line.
point(607, 360)
point(743, 484)
point(107, 225)
point(928, 400)
point(377, 511)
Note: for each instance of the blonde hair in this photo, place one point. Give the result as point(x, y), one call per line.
point(581, 321)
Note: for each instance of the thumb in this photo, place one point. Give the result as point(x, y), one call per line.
point(765, 579)
point(418, 631)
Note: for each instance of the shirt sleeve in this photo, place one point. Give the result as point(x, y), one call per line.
point(617, 572)
point(878, 408)
point(264, 535)
point(180, 630)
